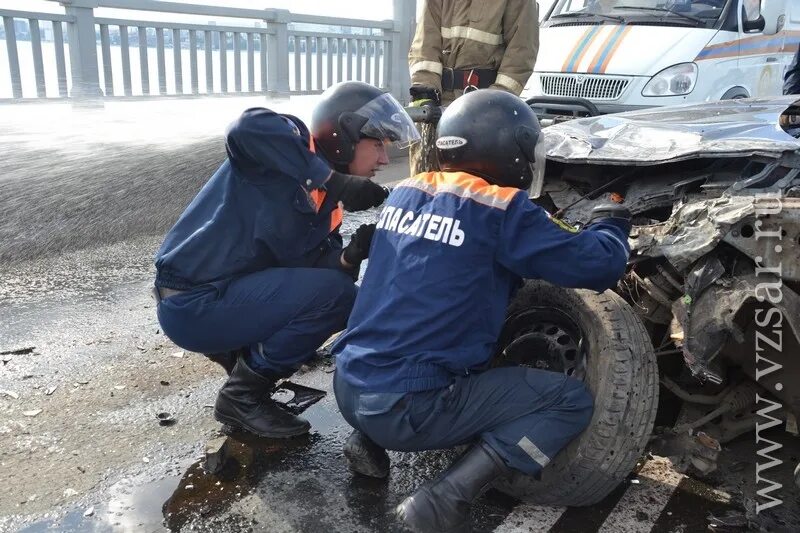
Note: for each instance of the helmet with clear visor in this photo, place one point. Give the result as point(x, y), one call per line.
point(353, 110)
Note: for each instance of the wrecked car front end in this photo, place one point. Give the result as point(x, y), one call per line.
point(715, 269)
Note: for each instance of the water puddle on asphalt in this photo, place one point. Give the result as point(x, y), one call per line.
point(131, 509)
point(237, 463)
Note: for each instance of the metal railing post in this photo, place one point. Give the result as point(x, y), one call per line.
point(278, 53)
point(83, 49)
point(405, 15)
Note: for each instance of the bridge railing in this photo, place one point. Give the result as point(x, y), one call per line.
point(14, 70)
point(80, 55)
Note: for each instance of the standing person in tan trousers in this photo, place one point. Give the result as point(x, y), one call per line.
point(462, 45)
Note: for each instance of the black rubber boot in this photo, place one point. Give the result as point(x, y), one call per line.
point(365, 457)
point(443, 505)
point(244, 402)
point(226, 360)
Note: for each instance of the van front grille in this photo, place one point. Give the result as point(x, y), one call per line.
point(591, 87)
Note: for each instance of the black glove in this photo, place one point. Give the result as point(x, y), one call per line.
point(355, 192)
point(423, 95)
point(358, 248)
point(610, 210)
point(613, 213)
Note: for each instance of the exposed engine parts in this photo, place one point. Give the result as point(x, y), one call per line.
point(716, 246)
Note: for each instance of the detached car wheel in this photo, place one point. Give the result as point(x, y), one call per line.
point(599, 339)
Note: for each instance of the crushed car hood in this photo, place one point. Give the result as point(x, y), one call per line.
point(730, 128)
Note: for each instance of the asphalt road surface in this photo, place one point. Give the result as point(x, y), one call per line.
point(81, 447)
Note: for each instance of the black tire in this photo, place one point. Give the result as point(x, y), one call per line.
point(622, 373)
point(735, 93)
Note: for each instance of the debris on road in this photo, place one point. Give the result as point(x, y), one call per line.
point(19, 351)
point(216, 455)
point(50, 390)
point(700, 451)
point(728, 520)
point(164, 382)
point(70, 492)
point(178, 354)
point(300, 397)
point(791, 424)
point(10, 394)
point(119, 387)
point(165, 419)
point(89, 511)
point(32, 412)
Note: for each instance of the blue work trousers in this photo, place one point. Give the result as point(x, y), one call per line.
point(527, 416)
point(282, 314)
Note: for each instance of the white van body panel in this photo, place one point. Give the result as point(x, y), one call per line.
point(610, 64)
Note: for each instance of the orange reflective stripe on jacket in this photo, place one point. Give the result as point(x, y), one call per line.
point(463, 185)
point(318, 196)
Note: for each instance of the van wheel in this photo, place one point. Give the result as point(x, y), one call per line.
point(735, 93)
point(599, 339)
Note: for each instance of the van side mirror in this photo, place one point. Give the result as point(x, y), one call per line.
point(752, 26)
point(774, 13)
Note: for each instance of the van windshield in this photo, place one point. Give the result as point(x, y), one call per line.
point(699, 12)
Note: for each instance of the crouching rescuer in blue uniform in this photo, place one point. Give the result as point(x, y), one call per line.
point(449, 250)
point(254, 272)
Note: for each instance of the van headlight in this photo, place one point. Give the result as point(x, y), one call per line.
point(673, 81)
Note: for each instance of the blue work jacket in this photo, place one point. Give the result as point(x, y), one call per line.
point(448, 253)
point(263, 208)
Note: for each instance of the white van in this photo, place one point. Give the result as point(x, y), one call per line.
point(629, 54)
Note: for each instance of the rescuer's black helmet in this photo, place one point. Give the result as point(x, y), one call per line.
point(494, 135)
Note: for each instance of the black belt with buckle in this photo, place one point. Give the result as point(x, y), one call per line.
point(458, 79)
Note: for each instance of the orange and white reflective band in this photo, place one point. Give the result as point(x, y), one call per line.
point(463, 185)
point(318, 196)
